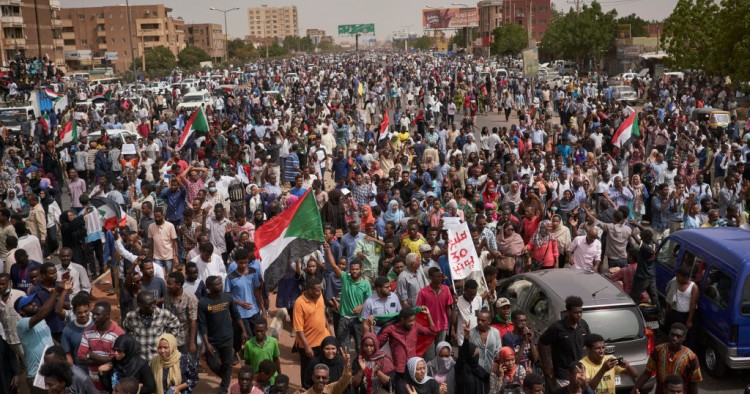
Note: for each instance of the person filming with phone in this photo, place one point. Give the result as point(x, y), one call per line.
point(601, 369)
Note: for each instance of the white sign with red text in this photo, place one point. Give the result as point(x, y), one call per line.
point(462, 256)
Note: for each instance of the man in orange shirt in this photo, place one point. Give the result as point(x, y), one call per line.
point(310, 324)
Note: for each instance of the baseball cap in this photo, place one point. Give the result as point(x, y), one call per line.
point(425, 248)
point(502, 302)
point(23, 301)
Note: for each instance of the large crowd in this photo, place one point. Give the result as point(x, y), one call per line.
point(388, 146)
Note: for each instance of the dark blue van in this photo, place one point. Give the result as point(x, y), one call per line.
point(719, 260)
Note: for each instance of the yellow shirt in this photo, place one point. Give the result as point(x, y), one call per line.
point(607, 384)
point(413, 245)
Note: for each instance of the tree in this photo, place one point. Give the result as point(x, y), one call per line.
point(459, 39)
point(240, 51)
point(157, 58)
point(192, 56)
point(423, 43)
point(581, 36)
point(730, 46)
point(300, 44)
point(690, 33)
point(510, 39)
point(638, 26)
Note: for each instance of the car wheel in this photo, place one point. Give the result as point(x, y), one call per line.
point(713, 361)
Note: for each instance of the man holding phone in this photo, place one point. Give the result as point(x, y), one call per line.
point(602, 370)
point(73, 271)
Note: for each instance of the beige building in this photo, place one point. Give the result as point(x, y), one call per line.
point(98, 35)
point(317, 36)
point(209, 37)
point(490, 18)
point(23, 36)
point(267, 23)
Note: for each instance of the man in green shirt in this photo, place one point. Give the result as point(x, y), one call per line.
point(261, 347)
point(354, 292)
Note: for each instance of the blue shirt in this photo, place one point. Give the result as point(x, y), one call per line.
point(242, 287)
point(55, 324)
point(34, 340)
point(349, 243)
point(291, 162)
point(20, 276)
point(297, 192)
point(659, 220)
point(341, 168)
point(175, 203)
point(71, 339)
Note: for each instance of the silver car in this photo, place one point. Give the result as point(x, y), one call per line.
point(608, 310)
point(625, 93)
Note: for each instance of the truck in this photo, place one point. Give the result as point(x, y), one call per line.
point(39, 102)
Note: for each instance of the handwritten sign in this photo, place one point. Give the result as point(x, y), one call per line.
point(462, 256)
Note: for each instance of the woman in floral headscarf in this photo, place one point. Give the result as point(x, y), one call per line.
point(640, 195)
point(543, 247)
point(372, 371)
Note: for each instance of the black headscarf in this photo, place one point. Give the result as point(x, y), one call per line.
point(132, 362)
point(72, 230)
point(335, 364)
point(333, 211)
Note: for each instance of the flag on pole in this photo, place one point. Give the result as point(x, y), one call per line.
point(110, 211)
point(51, 93)
point(287, 237)
point(44, 120)
point(69, 132)
point(627, 129)
point(384, 126)
point(106, 95)
point(197, 124)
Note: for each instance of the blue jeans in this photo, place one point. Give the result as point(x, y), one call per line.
point(166, 264)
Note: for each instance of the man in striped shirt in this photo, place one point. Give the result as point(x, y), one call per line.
point(97, 341)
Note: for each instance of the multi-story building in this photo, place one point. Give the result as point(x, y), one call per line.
point(101, 35)
point(31, 28)
point(209, 37)
point(495, 13)
point(272, 23)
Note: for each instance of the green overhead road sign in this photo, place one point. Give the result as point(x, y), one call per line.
point(357, 29)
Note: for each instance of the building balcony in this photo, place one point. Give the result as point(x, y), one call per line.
point(69, 48)
point(58, 42)
point(10, 2)
point(151, 33)
point(153, 44)
point(102, 46)
point(68, 35)
point(56, 23)
point(100, 21)
point(11, 20)
point(101, 33)
point(66, 23)
point(55, 5)
point(14, 42)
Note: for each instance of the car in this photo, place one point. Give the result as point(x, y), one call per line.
point(194, 100)
point(558, 81)
point(607, 309)
point(625, 94)
point(719, 263)
point(113, 134)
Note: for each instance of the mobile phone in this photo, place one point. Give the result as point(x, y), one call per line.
point(66, 275)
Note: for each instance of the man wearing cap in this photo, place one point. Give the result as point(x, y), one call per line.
point(501, 319)
point(33, 332)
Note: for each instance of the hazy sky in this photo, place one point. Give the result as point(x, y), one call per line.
point(387, 15)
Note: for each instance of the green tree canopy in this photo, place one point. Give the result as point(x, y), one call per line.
point(730, 47)
point(691, 32)
point(192, 56)
point(638, 25)
point(510, 39)
point(581, 36)
point(240, 50)
point(157, 58)
point(301, 44)
point(423, 43)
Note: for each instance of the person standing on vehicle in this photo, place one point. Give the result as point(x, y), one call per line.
point(682, 299)
point(564, 341)
point(672, 358)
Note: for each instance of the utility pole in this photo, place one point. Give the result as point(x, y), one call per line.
point(130, 34)
point(226, 32)
point(577, 4)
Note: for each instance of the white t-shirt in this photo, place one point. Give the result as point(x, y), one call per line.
point(211, 268)
point(467, 312)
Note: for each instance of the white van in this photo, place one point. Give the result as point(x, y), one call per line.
point(80, 76)
point(12, 117)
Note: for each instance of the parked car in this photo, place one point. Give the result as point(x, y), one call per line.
point(194, 100)
point(719, 262)
point(625, 93)
point(607, 309)
point(113, 134)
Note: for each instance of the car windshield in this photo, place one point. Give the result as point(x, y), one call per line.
point(192, 99)
point(12, 117)
point(720, 118)
point(615, 324)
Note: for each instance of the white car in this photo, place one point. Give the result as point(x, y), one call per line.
point(113, 134)
point(624, 93)
point(194, 100)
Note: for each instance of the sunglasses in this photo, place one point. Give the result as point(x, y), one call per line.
point(321, 378)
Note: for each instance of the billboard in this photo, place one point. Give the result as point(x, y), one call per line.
point(531, 62)
point(629, 51)
point(367, 28)
point(450, 18)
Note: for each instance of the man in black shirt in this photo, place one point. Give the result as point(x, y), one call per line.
point(216, 312)
point(404, 186)
point(645, 276)
point(565, 341)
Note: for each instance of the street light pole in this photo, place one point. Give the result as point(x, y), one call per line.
point(130, 34)
point(226, 31)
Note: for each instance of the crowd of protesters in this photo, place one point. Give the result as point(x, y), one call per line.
point(388, 148)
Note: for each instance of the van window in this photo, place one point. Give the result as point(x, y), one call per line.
point(745, 303)
point(668, 255)
point(615, 324)
point(696, 264)
point(718, 287)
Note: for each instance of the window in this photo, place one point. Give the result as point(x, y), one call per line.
point(517, 291)
point(81, 17)
point(718, 287)
point(84, 42)
point(668, 254)
point(539, 306)
point(615, 324)
point(696, 264)
point(745, 301)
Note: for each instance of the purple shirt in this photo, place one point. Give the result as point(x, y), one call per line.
point(76, 188)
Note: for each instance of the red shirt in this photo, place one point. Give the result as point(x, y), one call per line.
point(143, 130)
point(529, 227)
point(403, 343)
point(436, 303)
